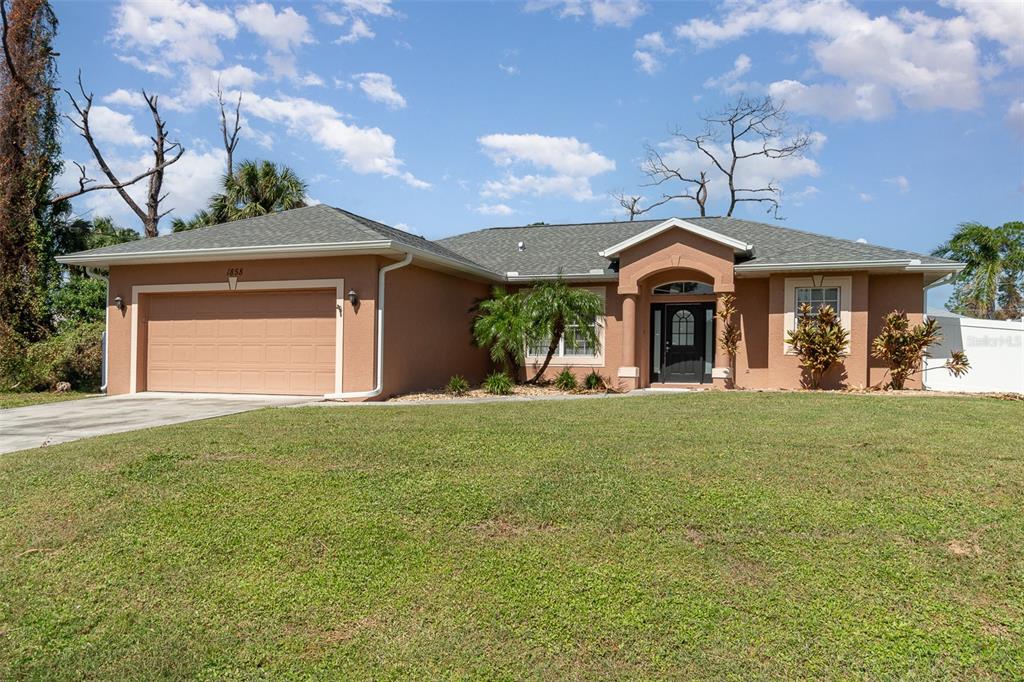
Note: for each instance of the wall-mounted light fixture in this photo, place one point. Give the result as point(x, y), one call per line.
point(119, 302)
point(353, 297)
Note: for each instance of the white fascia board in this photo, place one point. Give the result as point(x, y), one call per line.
point(902, 263)
point(669, 224)
point(568, 276)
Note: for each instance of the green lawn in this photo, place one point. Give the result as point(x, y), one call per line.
point(686, 536)
point(9, 399)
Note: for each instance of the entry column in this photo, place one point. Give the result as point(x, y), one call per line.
point(629, 373)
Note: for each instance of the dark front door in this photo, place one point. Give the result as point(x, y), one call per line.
point(681, 336)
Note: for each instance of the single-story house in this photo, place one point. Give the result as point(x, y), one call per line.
point(321, 301)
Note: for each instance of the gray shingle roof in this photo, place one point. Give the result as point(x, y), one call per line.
point(320, 224)
point(574, 249)
point(548, 249)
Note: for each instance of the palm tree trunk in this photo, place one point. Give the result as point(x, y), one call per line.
point(556, 336)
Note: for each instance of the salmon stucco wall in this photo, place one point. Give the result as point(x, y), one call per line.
point(359, 273)
point(428, 334)
point(763, 361)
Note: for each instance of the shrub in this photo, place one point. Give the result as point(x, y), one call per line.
point(498, 383)
point(457, 385)
point(731, 333)
point(593, 381)
point(566, 380)
point(75, 356)
point(13, 347)
point(819, 341)
point(80, 300)
point(904, 348)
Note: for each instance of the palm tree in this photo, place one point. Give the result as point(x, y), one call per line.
point(255, 188)
point(503, 325)
point(202, 218)
point(995, 265)
point(554, 308)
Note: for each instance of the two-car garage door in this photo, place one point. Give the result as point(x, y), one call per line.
point(280, 342)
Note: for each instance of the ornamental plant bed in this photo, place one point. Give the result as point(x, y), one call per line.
point(518, 391)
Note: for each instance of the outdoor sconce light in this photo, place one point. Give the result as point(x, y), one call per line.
point(119, 302)
point(353, 297)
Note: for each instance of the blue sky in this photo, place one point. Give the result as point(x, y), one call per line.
point(445, 117)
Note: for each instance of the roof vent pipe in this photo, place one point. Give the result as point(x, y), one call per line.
point(521, 246)
point(378, 385)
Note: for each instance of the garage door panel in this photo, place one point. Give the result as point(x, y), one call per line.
point(250, 342)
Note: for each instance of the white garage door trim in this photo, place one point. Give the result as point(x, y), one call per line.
point(267, 285)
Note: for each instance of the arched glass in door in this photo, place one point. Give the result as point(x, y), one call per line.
point(682, 328)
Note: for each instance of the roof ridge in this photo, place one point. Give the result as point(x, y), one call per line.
point(818, 235)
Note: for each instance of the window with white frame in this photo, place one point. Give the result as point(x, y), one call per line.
point(817, 298)
point(572, 344)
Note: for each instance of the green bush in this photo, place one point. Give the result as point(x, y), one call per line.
point(593, 381)
point(75, 356)
point(498, 383)
point(566, 380)
point(457, 385)
point(80, 300)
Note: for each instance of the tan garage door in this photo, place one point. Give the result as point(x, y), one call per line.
point(241, 342)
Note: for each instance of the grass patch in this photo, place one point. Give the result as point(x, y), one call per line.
point(689, 536)
point(10, 399)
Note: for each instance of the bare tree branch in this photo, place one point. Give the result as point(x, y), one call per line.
point(165, 153)
point(230, 140)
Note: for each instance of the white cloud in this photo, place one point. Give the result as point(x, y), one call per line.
point(900, 182)
point(124, 98)
point(173, 31)
point(364, 150)
point(156, 67)
point(354, 14)
point(617, 12)
point(730, 80)
point(799, 197)
point(493, 209)
point(114, 127)
point(359, 30)
point(1015, 117)
point(865, 197)
point(404, 227)
point(509, 69)
point(283, 31)
point(866, 101)
point(380, 88)
point(620, 13)
point(649, 48)
point(571, 162)
point(923, 61)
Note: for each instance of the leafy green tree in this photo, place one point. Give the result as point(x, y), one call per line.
point(77, 298)
point(30, 160)
point(990, 285)
point(503, 325)
point(255, 188)
point(555, 308)
point(819, 340)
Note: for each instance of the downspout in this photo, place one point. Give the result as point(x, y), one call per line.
point(378, 385)
point(91, 272)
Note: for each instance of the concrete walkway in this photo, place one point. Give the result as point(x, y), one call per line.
point(34, 426)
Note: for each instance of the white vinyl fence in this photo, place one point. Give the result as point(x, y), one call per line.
point(994, 348)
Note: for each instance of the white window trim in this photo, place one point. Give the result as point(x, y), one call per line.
point(845, 286)
point(577, 360)
point(258, 285)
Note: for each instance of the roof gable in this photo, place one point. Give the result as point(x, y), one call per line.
point(671, 224)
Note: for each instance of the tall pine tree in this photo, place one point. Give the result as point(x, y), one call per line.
point(29, 164)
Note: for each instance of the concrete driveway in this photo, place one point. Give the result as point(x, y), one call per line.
point(34, 426)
